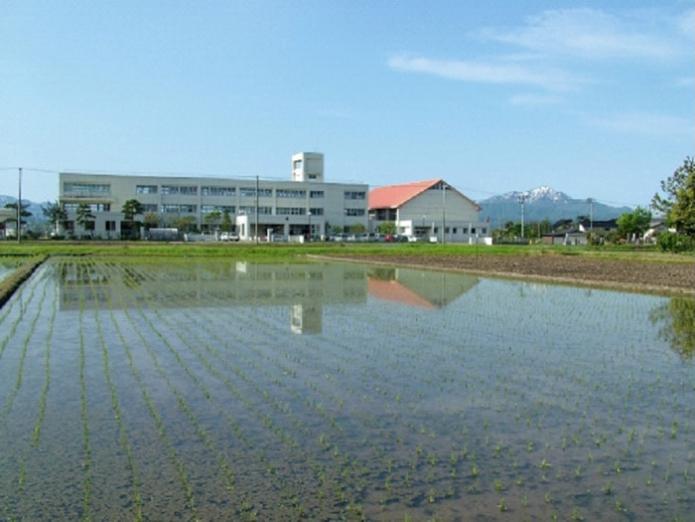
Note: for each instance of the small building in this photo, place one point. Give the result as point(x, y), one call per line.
point(430, 210)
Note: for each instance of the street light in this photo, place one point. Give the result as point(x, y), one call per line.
point(309, 216)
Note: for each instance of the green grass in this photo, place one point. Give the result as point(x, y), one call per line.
point(289, 252)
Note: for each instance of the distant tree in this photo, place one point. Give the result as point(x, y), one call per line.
point(56, 214)
point(23, 212)
point(337, 229)
point(634, 223)
point(212, 219)
point(84, 217)
point(150, 220)
point(185, 223)
point(678, 201)
point(387, 228)
point(357, 228)
point(131, 209)
point(226, 221)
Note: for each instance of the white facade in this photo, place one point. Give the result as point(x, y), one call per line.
point(283, 208)
point(438, 213)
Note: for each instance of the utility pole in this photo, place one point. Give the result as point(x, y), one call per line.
point(522, 201)
point(443, 212)
point(256, 227)
point(591, 214)
point(19, 208)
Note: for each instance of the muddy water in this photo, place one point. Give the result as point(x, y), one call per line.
point(227, 390)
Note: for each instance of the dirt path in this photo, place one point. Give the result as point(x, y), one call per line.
point(642, 276)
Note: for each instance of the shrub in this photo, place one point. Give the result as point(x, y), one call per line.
point(674, 242)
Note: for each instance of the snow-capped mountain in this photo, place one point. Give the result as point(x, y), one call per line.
point(543, 203)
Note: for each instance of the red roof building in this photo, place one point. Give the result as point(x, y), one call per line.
point(429, 210)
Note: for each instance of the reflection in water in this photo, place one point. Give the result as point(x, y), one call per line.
point(418, 288)
point(304, 288)
point(677, 321)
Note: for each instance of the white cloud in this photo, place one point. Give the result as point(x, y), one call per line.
point(486, 72)
point(589, 33)
point(646, 124)
point(687, 81)
point(534, 99)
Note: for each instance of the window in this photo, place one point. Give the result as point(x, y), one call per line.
point(110, 226)
point(349, 194)
point(354, 212)
point(184, 190)
point(316, 211)
point(250, 192)
point(206, 209)
point(313, 176)
point(149, 207)
point(218, 191)
point(297, 164)
point(146, 189)
point(86, 189)
point(446, 230)
point(94, 207)
point(291, 211)
point(316, 194)
point(287, 193)
point(483, 230)
point(251, 211)
point(472, 230)
point(455, 229)
point(179, 209)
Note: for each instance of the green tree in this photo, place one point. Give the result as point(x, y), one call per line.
point(150, 220)
point(130, 228)
point(358, 228)
point(226, 221)
point(678, 201)
point(185, 223)
point(84, 216)
point(56, 214)
point(387, 228)
point(635, 222)
point(212, 219)
point(23, 212)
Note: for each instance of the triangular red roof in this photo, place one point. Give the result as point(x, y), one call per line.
point(393, 196)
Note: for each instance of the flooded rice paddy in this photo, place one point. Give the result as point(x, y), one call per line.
point(8, 265)
point(231, 391)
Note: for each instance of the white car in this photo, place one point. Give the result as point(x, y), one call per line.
point(228, 236)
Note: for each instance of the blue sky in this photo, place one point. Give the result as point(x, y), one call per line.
point(595, 99)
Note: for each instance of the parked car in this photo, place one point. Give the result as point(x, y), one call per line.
point(228, 236)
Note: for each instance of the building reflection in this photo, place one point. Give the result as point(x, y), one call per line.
point(418, 288)
point(305, 289)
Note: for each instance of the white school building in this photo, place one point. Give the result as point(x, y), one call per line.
point(305, 205)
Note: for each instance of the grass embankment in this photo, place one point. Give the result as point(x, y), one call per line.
point(284, 251)
point(14, 280)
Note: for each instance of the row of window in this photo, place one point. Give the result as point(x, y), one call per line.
point(464, 230)
point(86, 189)
point(250, 192)
point(248, 210)
point(96, 189)
point(94, 207)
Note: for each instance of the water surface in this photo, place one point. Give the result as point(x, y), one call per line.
point(228, 390)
